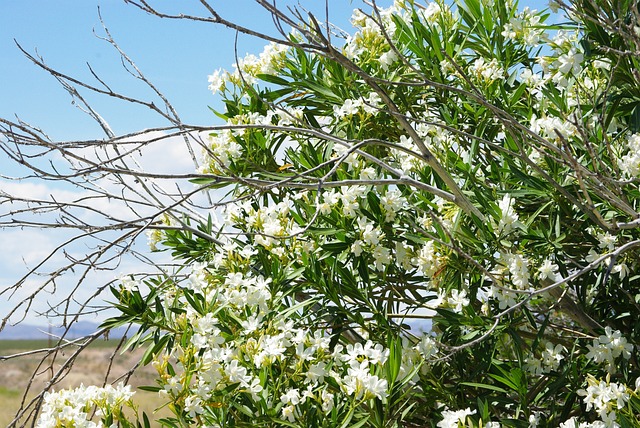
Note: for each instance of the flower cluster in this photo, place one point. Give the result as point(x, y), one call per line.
point(430, 168)
point(630, 162)
point(222, 150)
point(508, 215)
point(370, 105)
point(246, 346)
point(550, 359)
point(525, 27)
point(77, 407)
point(553, 128)
point(566, 63)
point(608, 347)
point(486, 71)
point(272, 225)
point(453, 418)
point(248, 68)
point(605, 398)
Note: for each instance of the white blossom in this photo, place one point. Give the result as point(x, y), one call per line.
point(451, 418)
point(508, 215)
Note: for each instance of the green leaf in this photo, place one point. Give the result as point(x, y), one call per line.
point(634, 119)
point(194, 300)
point(244, 409)
point(485, 386)
point(149, 388)
point(203, 181)
point(277, 80)
point(335, 247)
point(155, 349)
point(145, 418)
point(505, 381)
point(394, 362)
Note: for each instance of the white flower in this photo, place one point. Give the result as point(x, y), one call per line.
point(533, 365)
point(375, 387)
point(548, 270)
point(330, 199)
point(606, 240)
point(291, 397)
point(403, 255)
point(524, 26)
point(450, 418)
point(370, 234)
point(431, 13)
point(608, 347)
point(554, 6)
point(572, 422)
point(271, 347)
point(570, 62)
point(553, 127)
point(304, 353)
point(534, 419)
point(508, 216)
point(320, 341)
point(427, 347)
point(362, 384)
point(353, 353)
point(487, 71)
point(129, 283)
point(375, 353)
point(552, 356)
point(193, 405)
point(351, 49)
point(356, 247)
point(236, 373)
point(371, 105)
point(604, 398)
point(255, 388)
point(205, 325)
point(506, 298)
point(224, 148)
point(271, 56)
point(621, 269)
point(251, 324)
point(327, 401)
point(427, 259)
point(348, 108)
point(216, 81)
point(391, 203)
point(518, 267)
point(458, 300)
point(387, 59)
point(289, 412)
point(290, 115)
point(316, 372)
point(530, 79)
point(349, 196)
point(68, 406)
point(173, 385)
point(381, 257)
point(368, 173)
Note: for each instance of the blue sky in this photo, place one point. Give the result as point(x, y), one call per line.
point(176, 55)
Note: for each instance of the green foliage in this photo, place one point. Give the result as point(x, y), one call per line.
point(464, 164)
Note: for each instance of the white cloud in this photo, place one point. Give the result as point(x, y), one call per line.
point(24, 248)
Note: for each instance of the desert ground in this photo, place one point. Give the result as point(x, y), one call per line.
point(89, 369)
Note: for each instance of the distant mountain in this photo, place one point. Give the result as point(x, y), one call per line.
point(33, 332)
